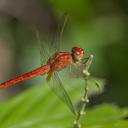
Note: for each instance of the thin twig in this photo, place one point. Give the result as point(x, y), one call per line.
point(84, 99)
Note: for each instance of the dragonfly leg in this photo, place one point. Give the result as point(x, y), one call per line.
point(71, 72)
point(49, 75)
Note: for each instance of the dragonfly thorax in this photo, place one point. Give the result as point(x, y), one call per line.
point(60, 60)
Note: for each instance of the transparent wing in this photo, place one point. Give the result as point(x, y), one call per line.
point(56, 42)
point(44, 54)
point(50, 46)
point(59, 90)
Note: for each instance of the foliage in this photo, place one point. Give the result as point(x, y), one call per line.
point(40, 108)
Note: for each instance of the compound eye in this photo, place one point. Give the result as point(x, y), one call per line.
point(78, 51)
point(82, 53)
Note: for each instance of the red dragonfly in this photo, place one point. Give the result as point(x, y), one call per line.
point(57, 62)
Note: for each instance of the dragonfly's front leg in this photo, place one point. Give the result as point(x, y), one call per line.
point(71, 72)
point(76, 70)
point(87, 66)
point(80, 69)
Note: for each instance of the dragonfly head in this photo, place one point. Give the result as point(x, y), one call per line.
point(77, 53)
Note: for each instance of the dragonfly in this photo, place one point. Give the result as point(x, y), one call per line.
point(51, 66)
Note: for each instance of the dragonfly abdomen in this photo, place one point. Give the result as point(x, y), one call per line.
point(39, 71)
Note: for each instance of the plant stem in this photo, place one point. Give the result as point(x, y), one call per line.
point(84, 99)
point(81, 112)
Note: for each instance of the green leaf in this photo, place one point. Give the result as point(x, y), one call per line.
point(104, 114)
point(38, 107)
point(95, 85)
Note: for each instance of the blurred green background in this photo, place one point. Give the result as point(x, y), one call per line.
point(100, 27)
